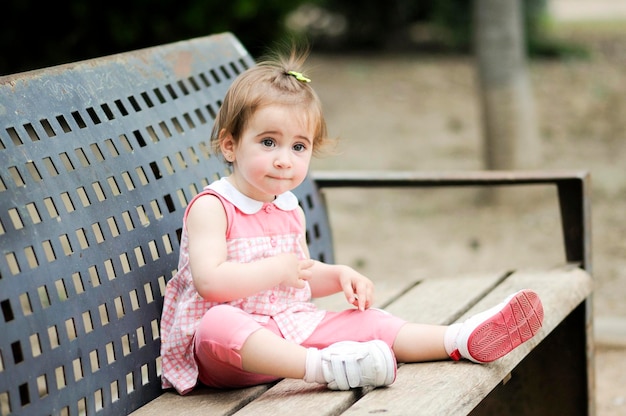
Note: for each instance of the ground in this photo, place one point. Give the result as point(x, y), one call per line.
point(420, 112)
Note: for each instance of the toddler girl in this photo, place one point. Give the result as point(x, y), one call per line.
point(239, 313)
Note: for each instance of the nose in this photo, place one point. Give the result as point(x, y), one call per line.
point(283, 160)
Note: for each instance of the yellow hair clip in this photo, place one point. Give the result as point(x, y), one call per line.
point(298, 76)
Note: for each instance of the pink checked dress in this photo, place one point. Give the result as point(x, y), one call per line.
point(255, 230)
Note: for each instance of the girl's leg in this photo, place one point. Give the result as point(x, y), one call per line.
point(420, 342)
point(267, 353)
point(482, 338)
point(355, 325)
point(410, 342)
point(341, 366)
point(233, 350)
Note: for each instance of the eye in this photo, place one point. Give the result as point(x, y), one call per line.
point(267, 142)
point(299, 147)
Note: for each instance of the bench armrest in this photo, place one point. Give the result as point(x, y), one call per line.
point(573, 189)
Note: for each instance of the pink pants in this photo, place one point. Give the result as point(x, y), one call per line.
point(224, 329)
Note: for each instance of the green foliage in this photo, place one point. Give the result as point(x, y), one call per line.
point(36, 34)
point(387, 24)
point(374, 23)
point(456, 17)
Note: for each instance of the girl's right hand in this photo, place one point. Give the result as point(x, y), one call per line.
point(296, 271)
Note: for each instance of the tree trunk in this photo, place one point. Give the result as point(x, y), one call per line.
point(511, 139)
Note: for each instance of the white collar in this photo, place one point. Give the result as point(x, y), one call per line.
point(286, 201)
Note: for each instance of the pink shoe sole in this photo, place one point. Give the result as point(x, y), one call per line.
point(517, 321)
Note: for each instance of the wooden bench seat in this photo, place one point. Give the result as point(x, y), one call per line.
point(98, 161)
point(423, 388)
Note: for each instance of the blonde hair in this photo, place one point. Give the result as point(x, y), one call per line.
point(269, 82)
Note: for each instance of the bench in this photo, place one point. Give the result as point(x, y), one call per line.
point(99, 159)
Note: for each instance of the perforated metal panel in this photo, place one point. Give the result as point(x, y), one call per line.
point(98, 161)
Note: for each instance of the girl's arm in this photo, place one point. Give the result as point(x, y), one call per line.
point(218, 280)
point(328, 279)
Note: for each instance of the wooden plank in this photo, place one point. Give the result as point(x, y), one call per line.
point(201, 402)
point(429, 292)
point(442, 300)
point(291, 397)
point(457, 387)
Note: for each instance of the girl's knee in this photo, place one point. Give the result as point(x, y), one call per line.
point(219, 311)
point(225, 325)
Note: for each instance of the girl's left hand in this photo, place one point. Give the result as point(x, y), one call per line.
point(358, 289)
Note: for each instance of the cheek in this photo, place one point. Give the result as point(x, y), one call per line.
point(303, 166)
point(257, 164)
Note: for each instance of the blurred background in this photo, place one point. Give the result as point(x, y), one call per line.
point(37, 34)
point(406, 86)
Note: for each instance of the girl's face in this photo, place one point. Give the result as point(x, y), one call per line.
point(273, 153)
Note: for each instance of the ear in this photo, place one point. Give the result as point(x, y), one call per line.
point(227, 145)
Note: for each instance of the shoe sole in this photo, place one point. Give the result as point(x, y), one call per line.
point(517, 321)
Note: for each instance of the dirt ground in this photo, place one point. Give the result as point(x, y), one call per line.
point(420, 112)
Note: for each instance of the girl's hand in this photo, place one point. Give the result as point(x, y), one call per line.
point(358, 289)
point(297, 272)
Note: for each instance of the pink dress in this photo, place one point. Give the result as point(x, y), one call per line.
point(255, 230)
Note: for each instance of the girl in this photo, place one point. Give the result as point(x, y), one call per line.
point(239, 313)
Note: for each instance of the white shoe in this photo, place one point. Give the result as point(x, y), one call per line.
point(350, 364)
point(491, 334)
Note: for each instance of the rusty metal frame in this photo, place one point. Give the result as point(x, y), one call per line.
point(573, 189)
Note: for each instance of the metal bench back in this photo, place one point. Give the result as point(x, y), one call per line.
point(98, 161)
